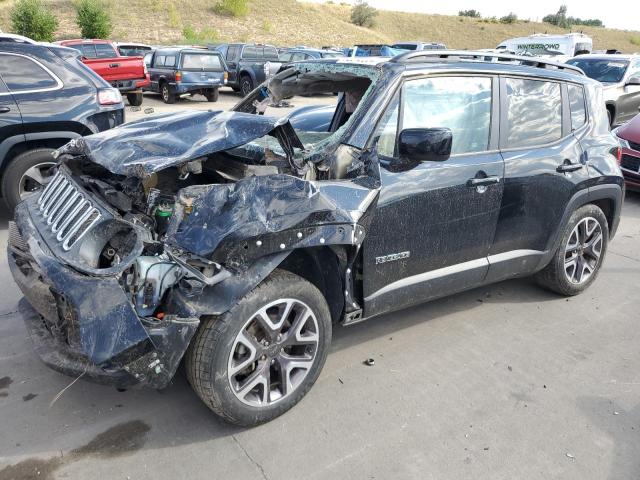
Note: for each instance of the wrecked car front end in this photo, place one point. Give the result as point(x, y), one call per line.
point(146, 229)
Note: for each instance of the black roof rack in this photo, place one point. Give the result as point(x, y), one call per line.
point(457, 55)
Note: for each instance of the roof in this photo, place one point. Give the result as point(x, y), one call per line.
point(605, 56)
point(10, 37)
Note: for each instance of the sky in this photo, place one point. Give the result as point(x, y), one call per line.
point(623, 14)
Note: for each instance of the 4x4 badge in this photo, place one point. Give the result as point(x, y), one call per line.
point(392, 257)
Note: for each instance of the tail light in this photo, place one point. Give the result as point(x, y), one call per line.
point(145, 69)
point(178, 76)
point(226, 76)
point(619, 155)
point(109, 96)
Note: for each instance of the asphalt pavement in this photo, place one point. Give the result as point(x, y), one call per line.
point(503, 382)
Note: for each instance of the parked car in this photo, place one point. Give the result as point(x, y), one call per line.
point(420, 46)
point(238, 242)
point(47, 98)
point(373, 50)
point(129, 49)
point(620, 75)
point(186, 71)
point(248, 64)
point(299, 54)
point(13, 38)
point(629, 137)
point(127, 74)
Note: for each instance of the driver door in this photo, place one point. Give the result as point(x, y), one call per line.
point(435, 222)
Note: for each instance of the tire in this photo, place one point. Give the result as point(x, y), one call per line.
point(167, 95)
point(26, 174)
point(210, 364)
point(135, 99)
point(246, 85)
point(212, 94)
point(568, 262)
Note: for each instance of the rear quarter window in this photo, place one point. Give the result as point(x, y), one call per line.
point(270, 53)
point(577, 106)
point(104, 50)
point(534, 113)
point(23, 74)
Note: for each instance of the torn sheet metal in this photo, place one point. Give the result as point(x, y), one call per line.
point(150, 145)
point(263, 205)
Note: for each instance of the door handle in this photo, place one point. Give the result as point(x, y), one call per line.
point(482, 182)
point(568, 167)
point(4, 109)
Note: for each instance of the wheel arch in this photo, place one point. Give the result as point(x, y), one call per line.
point(18, 144)
point(322, 267)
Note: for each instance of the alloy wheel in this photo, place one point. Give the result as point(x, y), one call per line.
point(583, 250)
point(35, 179)
point(273, 352)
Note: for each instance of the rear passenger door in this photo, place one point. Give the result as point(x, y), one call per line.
point(544, 168)
point(435, 222)
point(10, 119)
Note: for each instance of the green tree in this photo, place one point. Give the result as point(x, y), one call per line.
point(93, 19)
point(32, 19)
point(511, 18)
point(469, 13)
point(363, 14)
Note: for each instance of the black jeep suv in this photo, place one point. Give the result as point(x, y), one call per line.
point(237, 241)
point(47, 97)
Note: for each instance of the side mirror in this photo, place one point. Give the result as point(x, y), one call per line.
point(425, 144)
point(633, 81)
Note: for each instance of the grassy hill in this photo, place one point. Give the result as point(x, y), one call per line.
point(289, 22)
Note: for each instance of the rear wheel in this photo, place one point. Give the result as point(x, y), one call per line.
point(577, 261)
point(26, 175)
point(167, 95)
point(246, 85)
point(259, 359)
point(212, 94)
point(135, 99)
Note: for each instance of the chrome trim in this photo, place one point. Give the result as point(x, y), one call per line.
point(454, 269)
point(431, 275)
point(66, 211)
point(58, 86)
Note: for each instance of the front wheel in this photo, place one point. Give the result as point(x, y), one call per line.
point(246, 85)
point(134, 99)
point(259, 359)
point(577, 261)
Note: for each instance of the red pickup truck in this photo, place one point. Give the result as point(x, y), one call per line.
point(127, 74)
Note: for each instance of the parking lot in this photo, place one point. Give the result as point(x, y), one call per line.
point(507, 381)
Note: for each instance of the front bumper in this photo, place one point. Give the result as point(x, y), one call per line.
point(86, 324)
point(630, 167)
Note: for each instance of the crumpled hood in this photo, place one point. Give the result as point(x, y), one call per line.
point(142, 147)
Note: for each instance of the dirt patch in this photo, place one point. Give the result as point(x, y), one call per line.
point(119, 440)
point(4, 385)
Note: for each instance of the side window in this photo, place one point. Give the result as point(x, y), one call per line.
point(232, 52)
point(577, 106)
point(388, 130)
point(159, 61)
point(298, 57)
point(104, 50)
point(23, 74)
point(534, 113)
point(462, 104)
point(170, 61)
point(285, 57)
point(249, 52)
point(87, 49)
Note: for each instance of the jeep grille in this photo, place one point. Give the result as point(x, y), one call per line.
point(67, 211)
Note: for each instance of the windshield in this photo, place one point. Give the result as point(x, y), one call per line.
point(133, 51)
point(201, 61)
point(602, 70)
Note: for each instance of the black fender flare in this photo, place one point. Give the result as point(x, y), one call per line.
point(15, 140)
point(610, 191)
point(253, 260)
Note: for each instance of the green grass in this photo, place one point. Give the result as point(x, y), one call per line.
point(289, 22)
